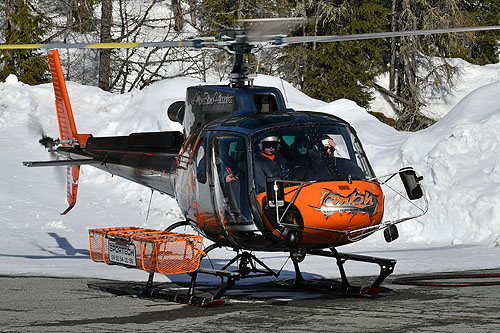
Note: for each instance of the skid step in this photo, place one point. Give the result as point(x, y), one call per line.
point(182, 298)
point(121, 289)
point(356, 257)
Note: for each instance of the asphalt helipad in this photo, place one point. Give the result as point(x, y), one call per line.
point(42, 304)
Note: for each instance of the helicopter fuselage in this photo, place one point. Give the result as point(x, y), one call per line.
point(317, 201)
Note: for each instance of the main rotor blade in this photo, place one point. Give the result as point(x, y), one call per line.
point(275, 40)
point(196, 43)
point(338, 38)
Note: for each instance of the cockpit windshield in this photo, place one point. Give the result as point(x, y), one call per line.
point(309, 153)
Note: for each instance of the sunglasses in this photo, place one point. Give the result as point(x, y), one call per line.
point(269, 144)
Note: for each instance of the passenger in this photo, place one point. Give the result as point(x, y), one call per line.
point(307, 165)
point(234, 191)
point(329, 156)
point(300, 161)
point(332, 149)
point(228, 165)
point(229, 175)
point(268, 162)
point(302, 145)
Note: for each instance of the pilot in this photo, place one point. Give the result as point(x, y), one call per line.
point(268, 162)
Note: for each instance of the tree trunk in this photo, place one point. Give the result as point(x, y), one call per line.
point(192, 12)
point(105, 54)
point(392, 71)
point(316, 23)
point(10, 9)
point(240, 9)
point(177, 10)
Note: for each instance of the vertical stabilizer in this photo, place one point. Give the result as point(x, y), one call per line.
point(67, 127)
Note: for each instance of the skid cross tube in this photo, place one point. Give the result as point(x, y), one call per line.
point(247, 266)
point(190, 297)
point(298, 275)
point(228, 279)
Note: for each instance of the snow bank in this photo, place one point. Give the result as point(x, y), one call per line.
point(458, 157)
point(438, 103)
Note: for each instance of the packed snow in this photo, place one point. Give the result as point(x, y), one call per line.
point(458, 157)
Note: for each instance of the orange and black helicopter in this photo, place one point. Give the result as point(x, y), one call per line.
point(322, 193)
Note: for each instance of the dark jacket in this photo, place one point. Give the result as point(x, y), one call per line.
point(266, 168)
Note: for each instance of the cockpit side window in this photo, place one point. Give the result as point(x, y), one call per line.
point(361, 158)
point(265, 103)
point(200, 160)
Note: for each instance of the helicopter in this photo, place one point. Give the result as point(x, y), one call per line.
point(323, 195)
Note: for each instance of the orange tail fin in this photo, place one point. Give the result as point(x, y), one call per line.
point(67, 128)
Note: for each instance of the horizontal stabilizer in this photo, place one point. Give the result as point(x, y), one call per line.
point(61, 162)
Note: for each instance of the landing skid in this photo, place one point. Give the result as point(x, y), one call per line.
point(343, 287)
point(246, 265)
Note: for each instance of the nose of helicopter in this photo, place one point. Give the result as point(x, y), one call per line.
point(329, 209)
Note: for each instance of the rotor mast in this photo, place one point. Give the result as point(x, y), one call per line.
point(239, 48)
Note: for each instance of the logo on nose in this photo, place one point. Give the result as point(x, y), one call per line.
point(354, 203)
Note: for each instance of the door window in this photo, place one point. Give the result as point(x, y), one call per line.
point(230, 154)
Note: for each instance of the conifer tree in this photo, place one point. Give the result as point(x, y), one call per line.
point(22, 25)
point(485, 47)
point(330, 71)
point(422, 65)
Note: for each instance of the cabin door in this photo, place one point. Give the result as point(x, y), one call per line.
point(230, 179)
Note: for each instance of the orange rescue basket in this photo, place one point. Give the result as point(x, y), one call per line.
point(150, 250)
